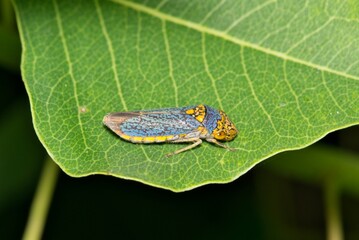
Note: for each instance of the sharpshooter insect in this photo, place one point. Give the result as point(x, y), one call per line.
point(175, 125)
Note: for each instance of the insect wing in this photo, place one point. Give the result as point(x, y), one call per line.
point(159, 122)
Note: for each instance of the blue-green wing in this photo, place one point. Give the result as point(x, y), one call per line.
point(159, 124)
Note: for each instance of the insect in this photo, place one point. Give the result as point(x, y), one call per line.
point(175, 125)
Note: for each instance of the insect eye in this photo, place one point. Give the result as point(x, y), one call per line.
point(220, 135)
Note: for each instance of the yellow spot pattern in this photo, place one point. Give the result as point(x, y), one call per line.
point(150, 139)
point(198, 112)
point(225, 130)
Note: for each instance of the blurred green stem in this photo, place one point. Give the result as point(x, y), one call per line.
point(7, 13)
point(315, 163)
point(41, 201)
point(10, 46)
point(332, 210)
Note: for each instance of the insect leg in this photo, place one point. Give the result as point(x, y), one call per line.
point(212, 140)
point(196, 142)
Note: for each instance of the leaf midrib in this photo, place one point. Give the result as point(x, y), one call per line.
point(225, 36)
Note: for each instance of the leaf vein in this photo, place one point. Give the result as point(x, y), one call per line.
point(209, 72)
point(170, 64)
point(223, 35)
point(249, 81)
point(248, 14)
point(304, 38)
point(286, 26)
point(111, 51)
point(331, 95)
point(71, 73)
point(294, 94)
point(210, 13)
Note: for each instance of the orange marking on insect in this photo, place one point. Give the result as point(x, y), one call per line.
point(126, 137)
point(190, 111)
point(225, 130)
point(199, 112)
point(149, 139)
point(161, 138)
point(203, 130)
point(136, 139)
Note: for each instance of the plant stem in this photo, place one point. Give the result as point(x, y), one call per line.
point(313, 164)
point(7, 13)
point(41, 201)
point(332, 209)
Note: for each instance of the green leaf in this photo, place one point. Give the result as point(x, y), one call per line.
point(286, 73)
